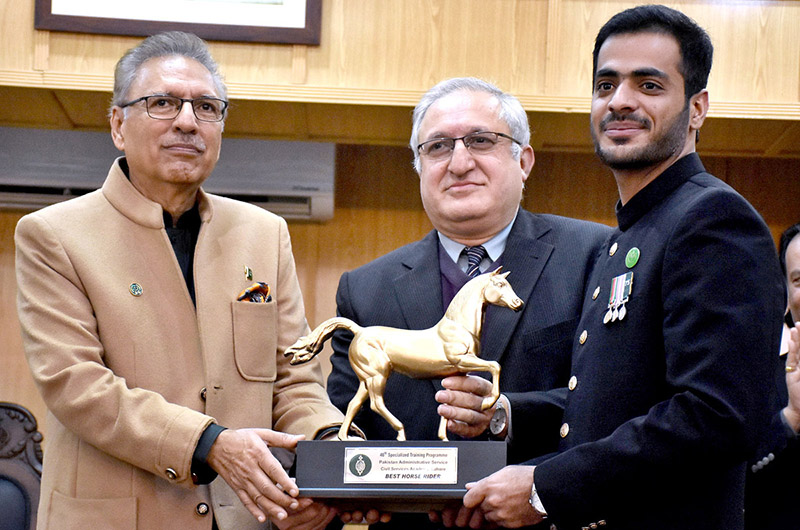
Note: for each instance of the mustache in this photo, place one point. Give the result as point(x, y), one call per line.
point(616, 116)
point(187, 139)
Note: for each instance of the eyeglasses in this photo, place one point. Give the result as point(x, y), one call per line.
point(168, 107)
point(477, 143)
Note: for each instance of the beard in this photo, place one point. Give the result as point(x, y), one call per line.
point(660, 148)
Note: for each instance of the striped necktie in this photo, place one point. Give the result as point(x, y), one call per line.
point(474, 257)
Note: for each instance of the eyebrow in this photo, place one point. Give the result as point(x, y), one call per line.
point(641, 72)
point(440, 135)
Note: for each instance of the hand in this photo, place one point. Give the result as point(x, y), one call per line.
point(243, 460)
point(461, 404)
point(370, 517)
point(309, 515)
point(503, 497)
point(792, 410)
point(462, 517)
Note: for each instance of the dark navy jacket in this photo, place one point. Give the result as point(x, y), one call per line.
point(668, 403)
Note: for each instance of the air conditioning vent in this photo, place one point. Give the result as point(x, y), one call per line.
point(292, 179)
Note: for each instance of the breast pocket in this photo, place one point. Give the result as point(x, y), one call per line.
point(255, 340)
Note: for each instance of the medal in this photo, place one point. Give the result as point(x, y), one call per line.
point(620, 292)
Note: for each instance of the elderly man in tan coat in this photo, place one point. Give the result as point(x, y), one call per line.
point(157, 378)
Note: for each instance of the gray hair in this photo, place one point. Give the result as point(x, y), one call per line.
point(165, 44)
point(511, 111)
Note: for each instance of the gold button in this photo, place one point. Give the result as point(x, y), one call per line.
point(601, 522)
point(203, 392)
point(171, 473)
point(202, 509)
point(596, 293)
point(584, 336)
point(593, 526)
point(564, 430)
point(613, 249)
point(573, 382)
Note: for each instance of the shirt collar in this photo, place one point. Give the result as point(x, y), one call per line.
point(494, 247)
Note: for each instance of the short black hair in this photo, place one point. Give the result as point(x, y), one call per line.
point(695, 44)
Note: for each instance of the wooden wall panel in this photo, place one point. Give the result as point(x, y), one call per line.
point(388, 53)
point(378, 209)
point(755, 45)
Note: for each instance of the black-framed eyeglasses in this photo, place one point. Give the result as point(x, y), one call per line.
point(162, 107)
point(477, 143)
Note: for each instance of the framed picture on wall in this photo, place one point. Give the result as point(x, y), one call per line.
point(273, 21)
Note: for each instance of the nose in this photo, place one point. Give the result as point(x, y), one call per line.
point(185, 121)
point(461, 160)
point(623, 99)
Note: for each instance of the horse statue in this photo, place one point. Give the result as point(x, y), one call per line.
point(450, 347)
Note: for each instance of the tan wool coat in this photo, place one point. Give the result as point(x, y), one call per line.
point(132, 373)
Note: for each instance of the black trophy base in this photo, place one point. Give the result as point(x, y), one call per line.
point(321, 472)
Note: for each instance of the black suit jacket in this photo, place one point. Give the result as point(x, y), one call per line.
point(549, 259)
point(772, 486)
point(669, 402)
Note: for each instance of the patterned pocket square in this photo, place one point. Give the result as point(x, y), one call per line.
point(257, 293)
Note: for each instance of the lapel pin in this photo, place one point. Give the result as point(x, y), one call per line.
point(135, 289)
point(632, 257)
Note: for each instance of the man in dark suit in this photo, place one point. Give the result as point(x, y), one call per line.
point(472, 153)
point(772, 485)
point(671, 365)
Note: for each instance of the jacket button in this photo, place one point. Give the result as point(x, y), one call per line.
point(202, 509)
point(613, 249)
point(596, 293)
point(601, 522)
point(203, 393)
point(573, 382)
point(584, 336)
point(564, 431)
point(171, 473)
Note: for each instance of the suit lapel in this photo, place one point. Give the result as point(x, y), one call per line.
point(525, 257)
point(419, 289)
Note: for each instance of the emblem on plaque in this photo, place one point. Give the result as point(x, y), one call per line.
point(360, 465)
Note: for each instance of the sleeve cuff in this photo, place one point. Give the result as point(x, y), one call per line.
point(788, 428)
point(201, 471)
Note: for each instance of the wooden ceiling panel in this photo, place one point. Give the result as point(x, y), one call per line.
point(27, 107)
point(367, 124)
point(266, 119)
point(553, 131)
point(749, 137)
point(86, 110)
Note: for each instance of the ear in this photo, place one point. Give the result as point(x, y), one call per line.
point(526, 161)
point(505, 274)
point(116, 120)
point(698, 108)
point(497, 270)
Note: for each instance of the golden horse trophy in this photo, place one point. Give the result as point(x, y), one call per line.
point(450, 347)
